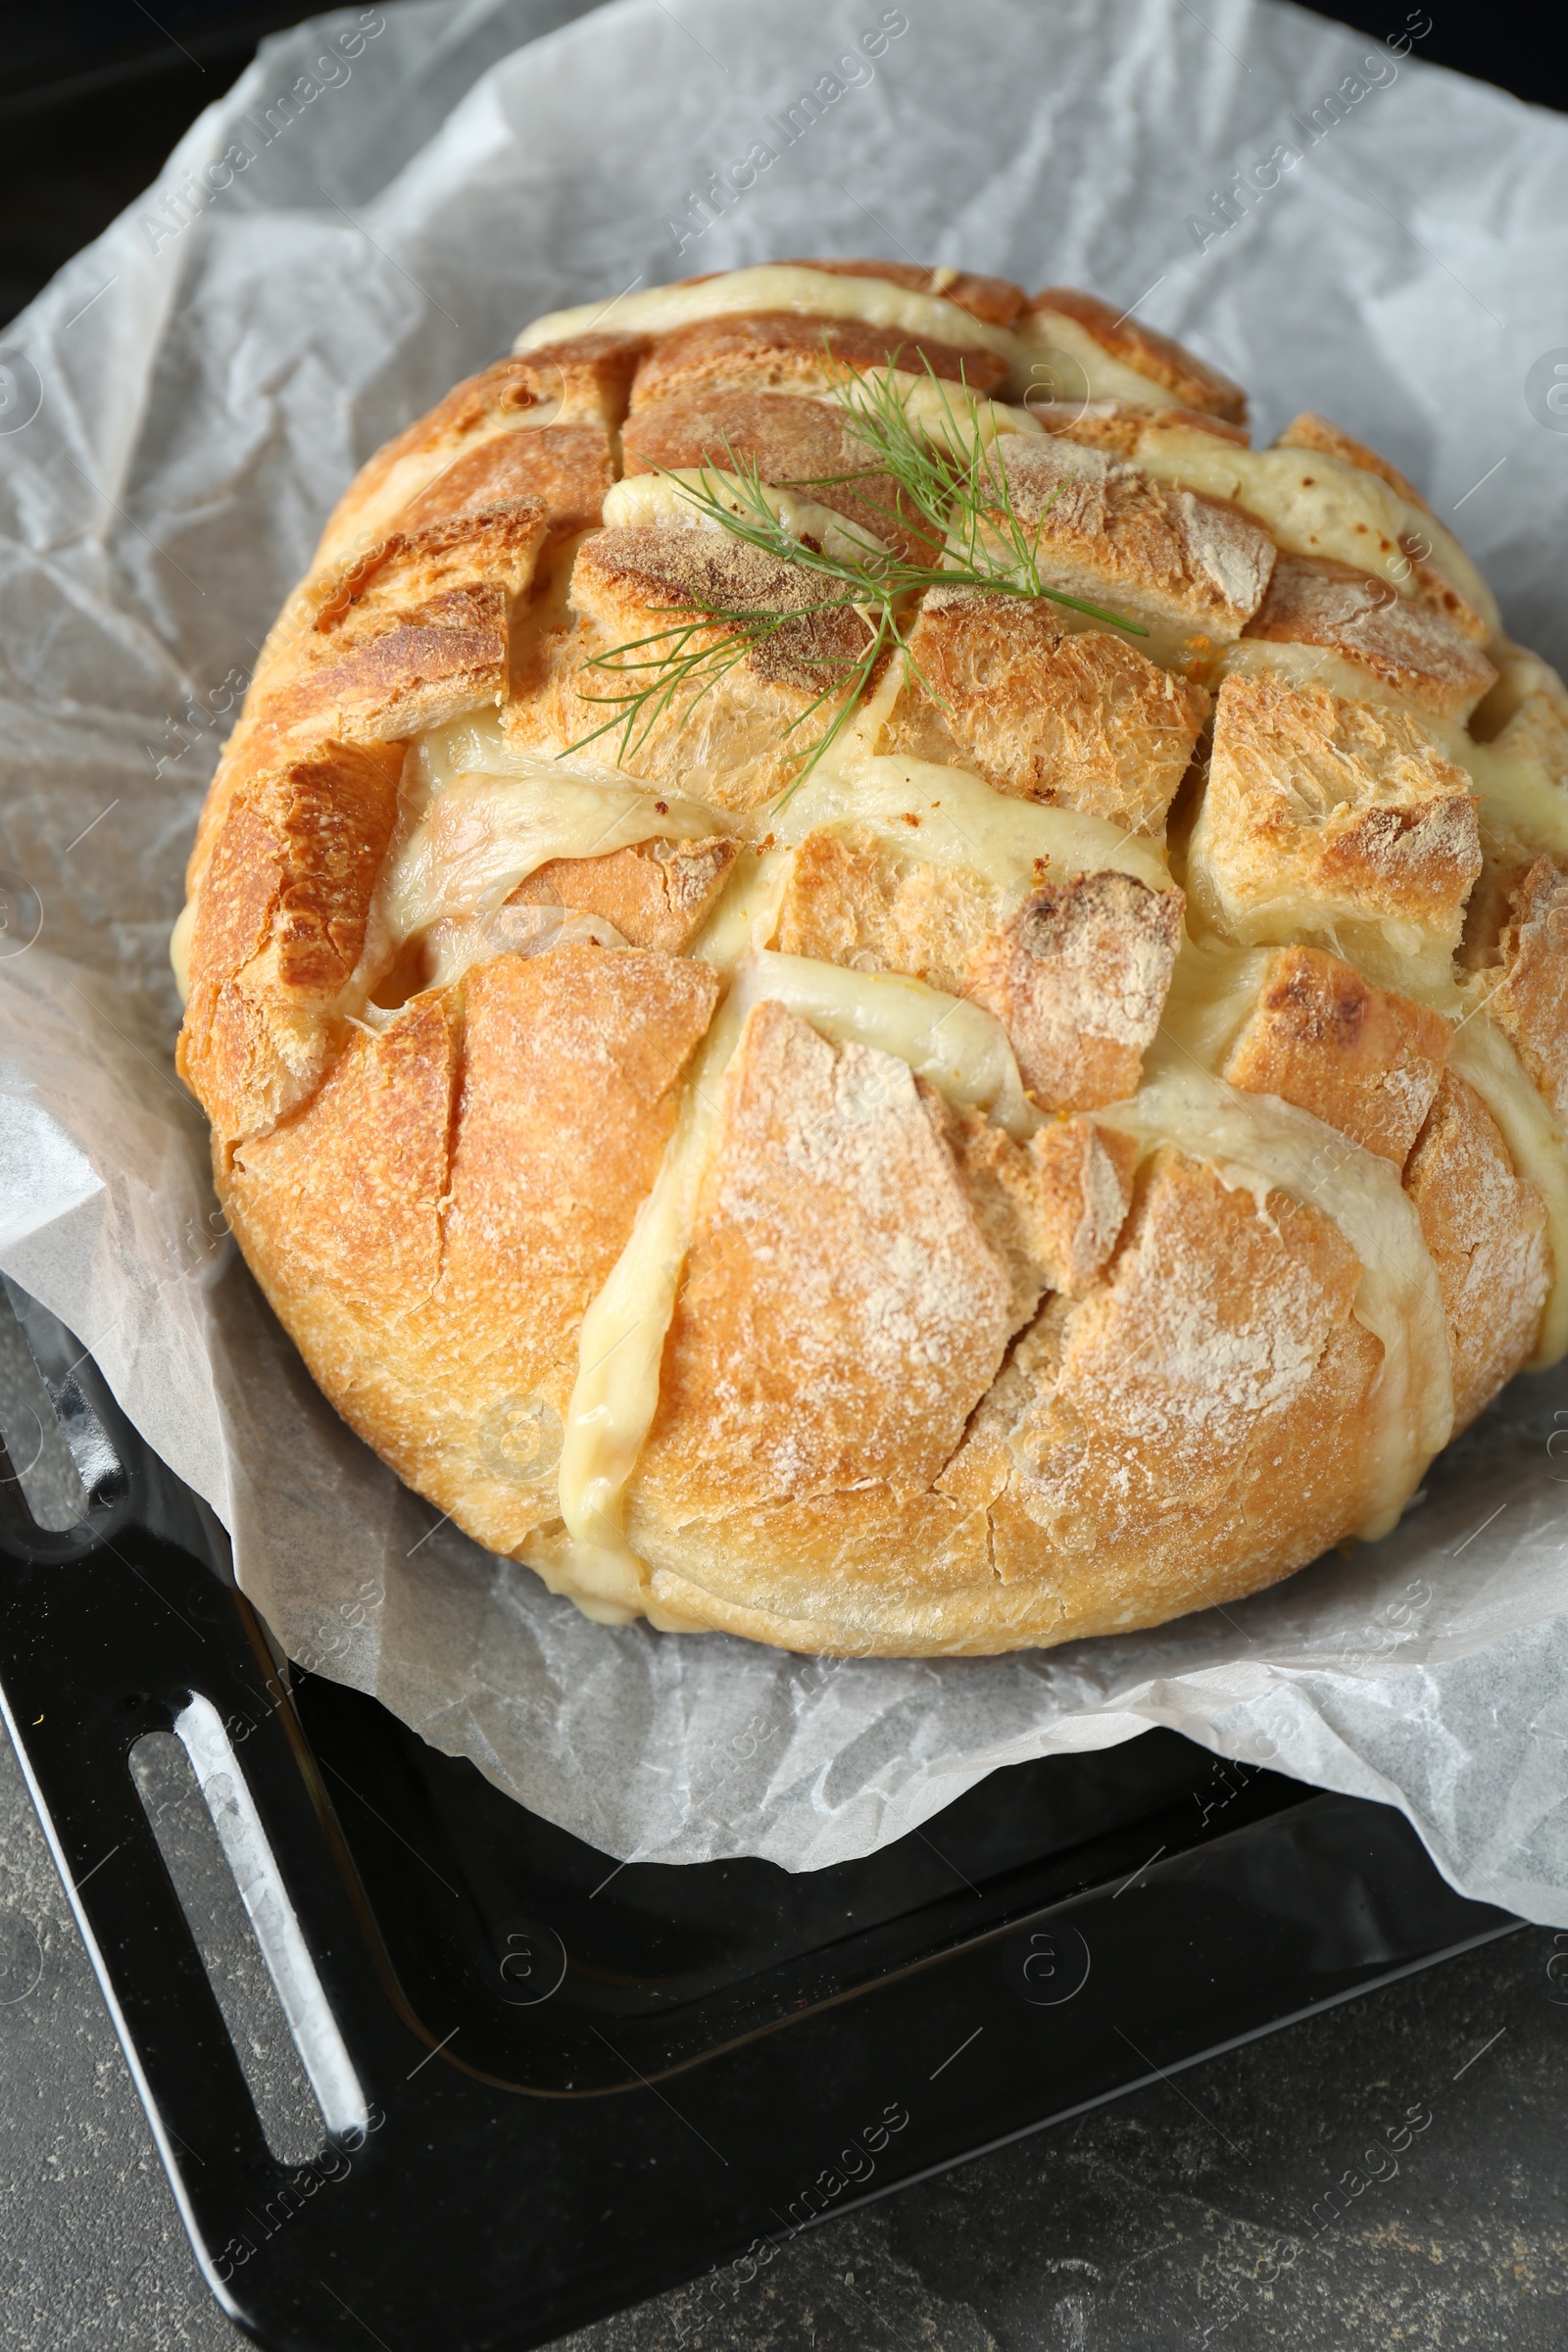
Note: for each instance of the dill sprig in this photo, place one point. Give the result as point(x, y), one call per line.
point(963, 502)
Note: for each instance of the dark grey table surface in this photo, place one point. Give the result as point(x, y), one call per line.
point(1242, 2202)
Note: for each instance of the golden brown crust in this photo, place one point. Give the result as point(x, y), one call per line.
point(1173, 442)
point(403, 637)
point(1312, 798)
point(1528, 999)
point(570, 466)
point(1143, 1426)
point(583, 382)
point(932, 1383)
point(657, 895)
point(793, 443)
point(1191, 383)
point(279, 929)
point(350, 1195)
point(571, 1065)
point(1076, 973)
point(1110, 533)
point(851, 899)
point(729, 742)
point(1053, 1207)
point(995, 300)
point(1411, 648)
point(843, 1312)
point(565, 1096)
point(1125, 1465)
point(1364, 1060)
point(625, 579)
point(1078, 1202)
point(776, 350)
point(1078, 978)
point(1076, 717)
point(1310, 431)
point(1485, 1228)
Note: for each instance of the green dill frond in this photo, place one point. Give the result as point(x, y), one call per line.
point(959, 500)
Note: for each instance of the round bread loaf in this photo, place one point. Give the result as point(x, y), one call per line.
point(1021, 1132)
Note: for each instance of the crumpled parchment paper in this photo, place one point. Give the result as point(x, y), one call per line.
point(374, 210)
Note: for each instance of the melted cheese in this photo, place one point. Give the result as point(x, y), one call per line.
point(1314, 665)
point(621, 1343)
point(665, 498)
point(956, 419)
point(410, 475)
point(776, 286)
point(1395, 950)
point(474, 745)
point(956, 1046)
point(1258, 1145)
point(1480, 1052)
point(484, 834)
point(962, 1051)
point(477, 744)
point(1214, 989)
point(1214, 986)
point(1518, 798)
point(452, 946)
point(489, 816)
point(747, 915)
point(962, 821)
point(1315, 504)
point(1063, 362)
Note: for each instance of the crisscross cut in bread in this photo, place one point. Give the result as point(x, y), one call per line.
point(1061, 1158)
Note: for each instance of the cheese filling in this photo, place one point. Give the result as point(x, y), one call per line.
point(1480, 1052)
point(960, 1048)
point(1062, 361)
point(484, 834)
point(179, 940)
point(621, 1344)
point(1214, 986)
point(959, 821)
point(1214, 989)
point(1313, 503)
point(1518, 798)
point(1314, 665)
point(663, 498)
point(956, 419)
point(1316, 505)
point(1394, 950)
point(496, 828)
point(776, 286)
point(477, 744)
point(1260, 1144)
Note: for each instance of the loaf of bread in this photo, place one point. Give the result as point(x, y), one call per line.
point(1021, 1132)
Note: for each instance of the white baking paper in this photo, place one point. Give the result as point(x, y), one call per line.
point(180, 409)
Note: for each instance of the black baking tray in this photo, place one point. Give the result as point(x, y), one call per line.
point(584, 2084)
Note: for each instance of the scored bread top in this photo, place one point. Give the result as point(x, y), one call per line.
point(1128, 343)
point(917, 1197)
